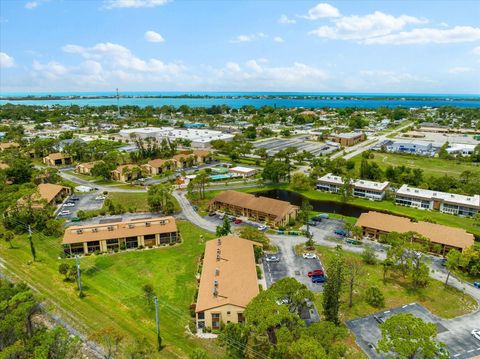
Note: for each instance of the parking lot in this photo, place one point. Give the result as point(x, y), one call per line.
point(85, 202)
point(301, 143)
point(455, 333)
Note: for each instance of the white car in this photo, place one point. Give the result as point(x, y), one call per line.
point(272, 258)
point(64, 213)
point(262, 228)
point(69, 205)
point(476, 333)
point(100, 198)
point(309, 256)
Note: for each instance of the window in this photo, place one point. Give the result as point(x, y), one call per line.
point(215, 320)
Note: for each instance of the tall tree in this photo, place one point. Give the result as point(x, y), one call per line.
point(453, 260)
point(353, 270)
point(410, 337)
point(333, 288)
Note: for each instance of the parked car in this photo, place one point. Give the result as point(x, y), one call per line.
point(73, 198)
point(316, 272)
point(476, 333)
point(211, 214)
point(371, 346)
point(379, 319)
point(318, 279)
point(100, 198)
point(309, 256)
point(69, 204)
point(476, 284)
point(64, 213)
point(317, 219)
point(195, 208)
point(262, 228)
point(75, 219)
point(221, 215)
point(341, 232)
point(282, 301)
point(272, 258)
point(323, 216)
point(237, 221)
point(312, 223)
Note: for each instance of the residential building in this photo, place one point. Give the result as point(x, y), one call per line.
point(441, 201)
point(185, 160)
point(85, 168)
point(203, 156)
point(108, 237)
point(240, 171)
point(157, 166)
point(125, 173)
point(374, 224)
point(48, 193)
point(259, 209)
point(360, 188)
point(57, 159)
point(228, 282)
point(8, 146)
point(348, 139)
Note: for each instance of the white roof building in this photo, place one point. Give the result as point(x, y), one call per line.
point(458, 199)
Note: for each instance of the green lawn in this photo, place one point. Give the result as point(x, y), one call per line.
point(430, 166)
point(113, 288)
point(444, 302)
point(135, 200)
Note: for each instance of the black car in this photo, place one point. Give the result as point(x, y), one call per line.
point(74, 198)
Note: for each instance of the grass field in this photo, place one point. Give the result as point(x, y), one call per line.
point(429, 165)
point(444, 302)
point(130, 200)
point(113, 288)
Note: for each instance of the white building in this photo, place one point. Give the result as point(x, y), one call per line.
point(460, 149)
point(440, 201)
point(200, 138)
point(360, 188)
point(411, 146)
point(243, 171)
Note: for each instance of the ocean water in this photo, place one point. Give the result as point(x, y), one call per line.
point(239, 99)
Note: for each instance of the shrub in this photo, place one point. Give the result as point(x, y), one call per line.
point(369, 256)
point(374, 297)
point(259, 273)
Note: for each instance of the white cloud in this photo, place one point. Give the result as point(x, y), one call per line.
point(248, 38)
point(119, 56)
point(459, 70)
point(322, 10)
point(278, 39)
point(31, 5)
point(6, 61)
point(429, 35)
point(233, 66)
point(476, 52)
point(362, 28)
point(112, 4)
point(152, 36)
point(285, 20)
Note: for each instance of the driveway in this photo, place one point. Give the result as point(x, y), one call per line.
point(191, 215)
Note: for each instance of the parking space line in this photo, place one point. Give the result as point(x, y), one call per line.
point(406, 305)
point(470, 351)
point(386, 312)
point(456, 355)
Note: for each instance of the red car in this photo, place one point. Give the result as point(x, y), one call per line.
point(238, 221)
point(315, 273)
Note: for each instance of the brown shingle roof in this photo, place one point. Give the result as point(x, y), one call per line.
point(88, 165)
point(201, 153)
point(57, 156)
point(237, 274)
point(8, 145)
point(120, 168)
point(49, 191)
point(267, 205)
point(157, 163)
point(181, 156)
point(437, 233)
point(98, 232)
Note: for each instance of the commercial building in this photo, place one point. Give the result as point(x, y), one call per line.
point(108, 237)
point(460, 149)
point(360, 188)
point(57, 159)
point(240, 171)
point(441, 201)
point(228, 282)
point(348, 139)
point(199, 138)
point(259, 209)
point(412, 146)
point(374, 224)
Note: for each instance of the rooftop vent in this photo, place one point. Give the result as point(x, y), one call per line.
point(218, 257)
point(110, 228)
point(217, 272)
point(214, 292)
point(147, 224)
point(219, 242)
point(79, 231)
point(131, 226)
point(215, 283)
point(94, 230)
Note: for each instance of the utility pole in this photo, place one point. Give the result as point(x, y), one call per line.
point(157, 319)
point(32, 248)
point(79, 276)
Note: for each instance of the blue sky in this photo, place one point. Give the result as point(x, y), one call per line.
point(349, 46)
